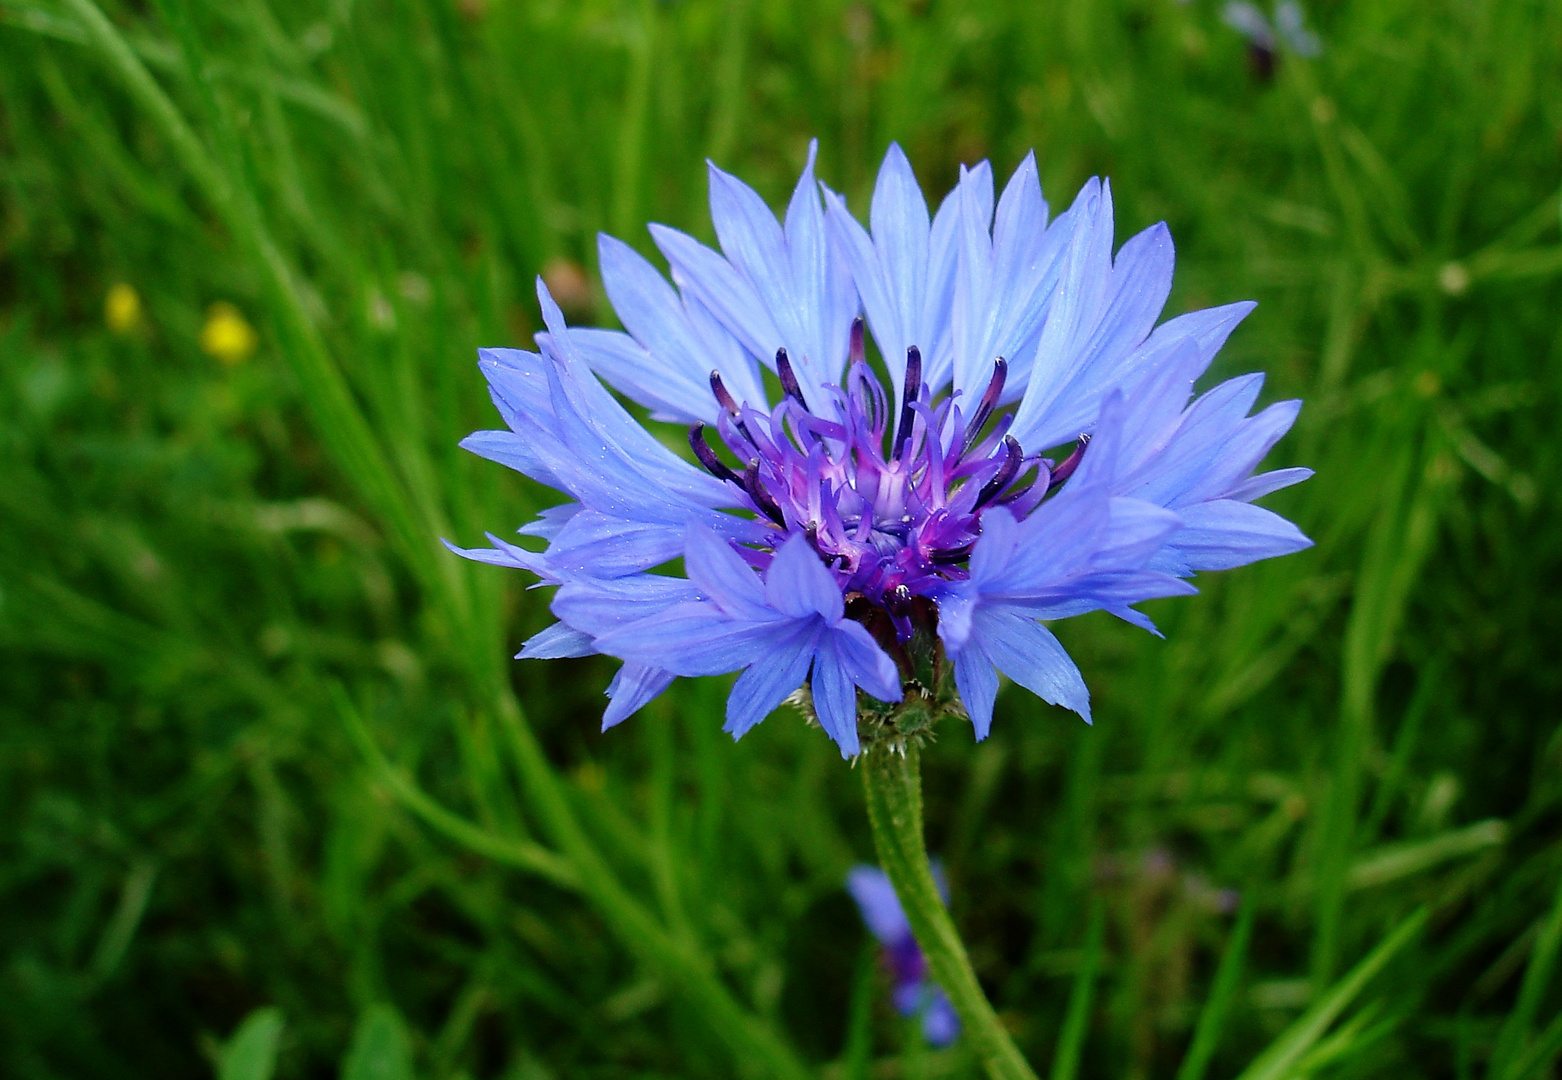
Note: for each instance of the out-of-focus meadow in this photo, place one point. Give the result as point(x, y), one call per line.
point(262, 746)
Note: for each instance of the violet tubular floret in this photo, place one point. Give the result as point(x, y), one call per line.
point(886, 524)
point(890, 536)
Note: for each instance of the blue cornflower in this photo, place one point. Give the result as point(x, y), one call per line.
point(913, 994)
point(1265, 37)
point(1037, 454)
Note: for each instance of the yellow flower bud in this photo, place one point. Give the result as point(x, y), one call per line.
point(226, 336)
point(122, 308)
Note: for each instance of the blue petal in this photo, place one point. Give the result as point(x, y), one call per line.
point(1258, 486)
point(822, 292)
point(869, 666)
point(977, 681)
point(798, 585)
point(597, 606)
point(996, 546)
point(612, 545)
point(1074, 406)
point(1027, 261)
point(1224, 534)
point(940, 1025)
point(692, 639)
point(512, 451)
point(548, 522)
point(504, 553)
point(943, 269)
point(972, 316)
point(1075, 311)
point(901, 230)
point(1135, 531)
point(754, 244)
point(723, 576)
point(766, 684)
point(891, 270)
point(835, 697)
point(654, 314)
point(633, 687)
point(727, 294)
point(641, 376)
point(556, 642)
point(1247, 444)
point(1026, 652)
point(880, 907)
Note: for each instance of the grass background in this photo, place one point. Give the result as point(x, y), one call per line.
point(261, 744)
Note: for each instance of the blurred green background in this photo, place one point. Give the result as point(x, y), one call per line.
point(261, 743)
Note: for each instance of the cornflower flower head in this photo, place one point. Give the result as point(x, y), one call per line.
point(1036, 453)
point(913, 993)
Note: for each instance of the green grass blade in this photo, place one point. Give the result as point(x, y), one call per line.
point(1076, 1022)
point(1537, 978)
point(1212, 1018)
point(1396, 861)
point(522, 854)
point(1280, 1059)
point(1542, 1052)
point(858, 1053)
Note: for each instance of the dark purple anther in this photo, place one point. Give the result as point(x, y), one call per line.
point(724, 396)
point(725, 399)
point(1006, 473)
point(713, 464)
point(789, 378)
point(857, 350)
point(951, 556)
point(897, 601)
point(913, 390)
point(757, 491)
point(1070, 463)
point(989, 402)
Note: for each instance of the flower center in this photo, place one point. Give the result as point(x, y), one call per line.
point(892, 511)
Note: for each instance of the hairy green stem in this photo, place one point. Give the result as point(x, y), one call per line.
point(892, 778)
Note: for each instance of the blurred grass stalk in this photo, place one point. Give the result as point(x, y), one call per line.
point(342, 427)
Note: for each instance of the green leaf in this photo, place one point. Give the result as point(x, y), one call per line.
point(380, 1049)
point(252, 1052)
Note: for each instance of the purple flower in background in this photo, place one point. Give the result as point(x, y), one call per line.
point(914, 994)
point(1036, 453)
point(1264, 37)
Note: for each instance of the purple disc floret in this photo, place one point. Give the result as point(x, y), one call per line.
point(1026, 446)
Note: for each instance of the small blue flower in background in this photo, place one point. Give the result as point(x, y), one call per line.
point(914, 994)
point(1264, 38)
point(1037, 453)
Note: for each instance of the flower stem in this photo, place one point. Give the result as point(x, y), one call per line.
point(893, 782)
